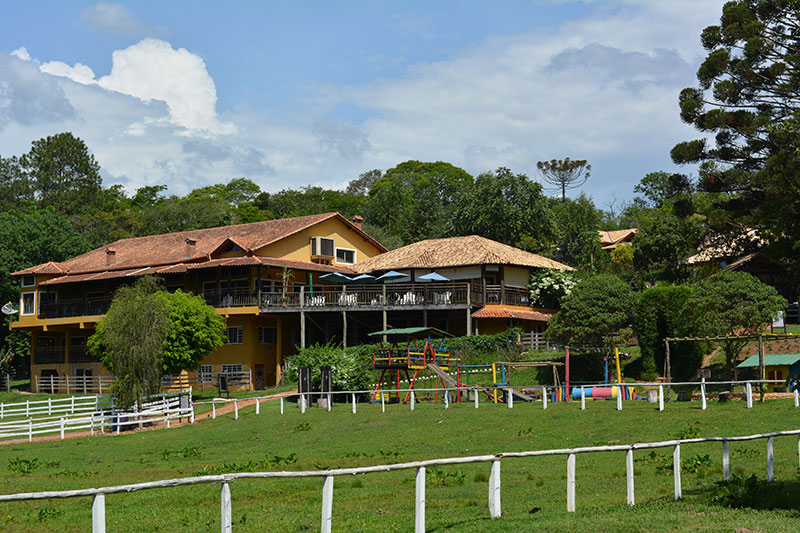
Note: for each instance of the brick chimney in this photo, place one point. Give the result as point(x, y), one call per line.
point(358, 220)
point(190, 247)
point(111, 256)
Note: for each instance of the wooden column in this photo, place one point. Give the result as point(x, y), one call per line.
point(302, 319)
point(344, 329)
point(278, 348)
point(469, 310)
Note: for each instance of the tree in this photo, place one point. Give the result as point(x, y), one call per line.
point(361, 185)
point(65, 175)
point(664, 189)
point(130, 341)
point(148, 332)
point(506, 207)
point(748, 98)
point(564, 174)
point(663, 241)
point(577, 242)
point(732, 303)
point(16, 188)
point(594, 314)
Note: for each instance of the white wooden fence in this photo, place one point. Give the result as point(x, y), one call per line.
point(51, 406)
point(5, 382)
point(95, 416)
point(495, 485)
point(72, 384)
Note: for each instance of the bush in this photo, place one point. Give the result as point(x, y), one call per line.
point(481, 349)
point(349, 366)
point(661, 313)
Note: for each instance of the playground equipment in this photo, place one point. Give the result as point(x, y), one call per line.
point(417, 357)
point(627, 391)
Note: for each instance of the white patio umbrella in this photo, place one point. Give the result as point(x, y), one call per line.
point(391, 275)
point(433, 276)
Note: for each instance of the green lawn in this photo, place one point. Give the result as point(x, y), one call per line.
point(533, 489)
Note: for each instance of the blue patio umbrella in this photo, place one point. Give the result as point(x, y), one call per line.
point(336, 277)
point(391, 275)
point(433, 276)
point(363, 278)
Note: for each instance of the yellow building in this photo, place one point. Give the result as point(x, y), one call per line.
point(268, 280)
point(777, 366)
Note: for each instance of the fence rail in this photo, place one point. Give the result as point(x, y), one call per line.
point(72, 384)
point(98, 494)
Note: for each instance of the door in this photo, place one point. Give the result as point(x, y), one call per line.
point(258, 377)
point(46, 385)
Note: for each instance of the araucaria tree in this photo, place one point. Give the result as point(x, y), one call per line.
point(749, 99)
point(564, 174)
point(149, 332)
point(732, 304)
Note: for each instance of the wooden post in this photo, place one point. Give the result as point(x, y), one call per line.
point(344, 329)
point(327, 504)
point(99, 513)
point(510, 392)
point(571, 483)
point(258, 406)
point(412, 401)
point(583, 398)
point(661, 397)
point(469, 309)
point(762, 372)
point(62, 428)
point(566, 371)
point(726, 461)
point(676, 471)
point(669, 369)
point(236, 409)
point(49, 407)
point(770, 459)
point(629, 471)
point(703, 393)
point(544, 398)
point(354, 403)
point(619, 397)
point(475, 393)
point(225, 508)
point(796, 398)
point(302, 328)
point(383, 403)
point(281, 404)
point(749, 390)
point(419, 514)
point(30, 430)
point(302, 404)
point(494, 490)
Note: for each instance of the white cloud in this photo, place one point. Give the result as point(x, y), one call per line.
point(27, 96)
point(79, 72)
point(115, 18)
point(153, 70)
point(21, 53)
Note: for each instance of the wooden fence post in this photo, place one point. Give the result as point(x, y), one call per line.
point(99, 513)
point(236, 409)
point(302, 404)
point(354, 403)
point(726, 461)
point(571, 483)
point(749, 391)
point(446, 398)
point(583, 398)
point(49, 407)
point(419, 514)
point(510, 392)
point(475, 392)
point(629, 471)
point(213, 410)
point(676, 471)
point(796, 398)
point(62, 428)
point(661, 397)
point(770, 457)
point(383, 403)
point(619, 397)
point(494, 490)
point(30, 430)
point(281, 404)
point(327, 504)
point(330, 401)
point(412, 400)
point(544, 398)
point(225, 508)
point(258, 406)
point(703, 393)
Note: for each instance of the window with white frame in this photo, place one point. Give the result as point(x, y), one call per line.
point(27, 303)
point(233, 335)
point(346, 256)
point(267, 335)
point(28, 280)
point(233, 368)
point(205, 372)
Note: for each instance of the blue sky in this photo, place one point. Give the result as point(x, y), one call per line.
point(316, 92)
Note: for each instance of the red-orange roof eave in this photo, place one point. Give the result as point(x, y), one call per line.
point(503, 312)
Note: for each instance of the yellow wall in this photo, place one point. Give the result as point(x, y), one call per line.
point(298, 246)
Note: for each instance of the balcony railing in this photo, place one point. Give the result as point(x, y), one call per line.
point(49, 355)
point(434, 295)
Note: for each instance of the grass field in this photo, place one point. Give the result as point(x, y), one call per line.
point(533, 489)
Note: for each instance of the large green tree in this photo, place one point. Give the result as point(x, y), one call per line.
point(64, 173)
point(196, 329)
point(577, 242)
point(747, 108)
point(595, 314)
point(730, 304)
point(663, 241)
point(506, 207)
point(564, 174)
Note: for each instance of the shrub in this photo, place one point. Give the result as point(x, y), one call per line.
point(349, 366)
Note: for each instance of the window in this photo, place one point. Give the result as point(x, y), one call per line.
point(233, 335)
point(267, 335)
point(321, 246)
point(28, 305)
point(28, 280)
point(47, 303)
point(205, 372)
point(345, 255)
point(230, 369)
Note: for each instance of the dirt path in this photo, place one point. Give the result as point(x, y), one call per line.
point(227, 407)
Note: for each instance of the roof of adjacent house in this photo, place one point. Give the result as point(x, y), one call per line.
point(724, 246)
point(456, 251)
point(171, 248)
point(505, 312)
point(771, 359)
point(610, 239)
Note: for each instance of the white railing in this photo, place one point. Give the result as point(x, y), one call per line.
point(72, 384)
point(98, 494)
point(211, 381)
point(50, 406)
point(94, 416)
point(5, 382)
point(536, 341)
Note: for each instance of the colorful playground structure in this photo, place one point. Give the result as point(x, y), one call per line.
point(417, 356)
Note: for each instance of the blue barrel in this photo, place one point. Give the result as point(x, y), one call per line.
point(576, 392)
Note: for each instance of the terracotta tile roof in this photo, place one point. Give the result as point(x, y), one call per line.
point(456, 251)
point(610, 239)
point(504, 312)
point(170, 248)
point(724, 246)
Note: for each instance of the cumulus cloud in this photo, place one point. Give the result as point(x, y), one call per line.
point(115, 18)
point(152, 70)
point(79, 72)
point(27, 96)
point(337, 134)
